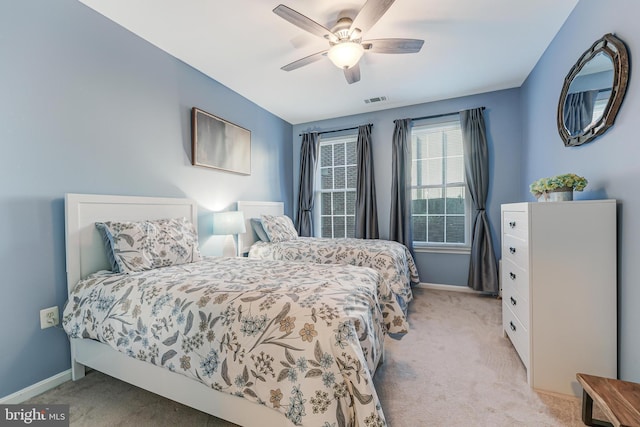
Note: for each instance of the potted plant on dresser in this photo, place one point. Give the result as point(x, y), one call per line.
point(557, 188)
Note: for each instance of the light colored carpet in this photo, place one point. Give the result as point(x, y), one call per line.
point(454, 368)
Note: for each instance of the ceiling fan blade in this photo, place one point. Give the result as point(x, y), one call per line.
point(301, 21)
point(352, 74)
point(304, 61)
point(393, 45)
point(370, 13)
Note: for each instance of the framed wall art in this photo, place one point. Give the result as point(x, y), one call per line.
point(219, 144)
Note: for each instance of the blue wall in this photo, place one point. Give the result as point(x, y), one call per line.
point(610, 163)
point(88, 107)
point(502, 116)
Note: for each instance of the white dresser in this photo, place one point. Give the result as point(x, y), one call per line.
point(559, 290)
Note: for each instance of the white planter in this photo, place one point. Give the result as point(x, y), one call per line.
point(560, 195)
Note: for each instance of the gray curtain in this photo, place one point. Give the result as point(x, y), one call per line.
point(578, 110)
point(400, 215)
point(308, 162)
point(366, 209)
point(483, 268)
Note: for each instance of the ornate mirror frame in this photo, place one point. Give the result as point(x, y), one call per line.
point(616, 50)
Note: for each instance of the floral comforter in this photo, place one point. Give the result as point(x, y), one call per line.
point(391, 259)
point(304, 339)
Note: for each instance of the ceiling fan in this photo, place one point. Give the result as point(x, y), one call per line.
point(346, 46)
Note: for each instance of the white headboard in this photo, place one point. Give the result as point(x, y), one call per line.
point(254, 210)
point(84, 247)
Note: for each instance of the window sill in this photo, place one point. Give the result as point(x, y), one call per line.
point(462, 250)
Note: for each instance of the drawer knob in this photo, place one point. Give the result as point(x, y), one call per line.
point(513, 327)
point(513, 301)
point(512, 250)
point(512, 224)
point(512, 275)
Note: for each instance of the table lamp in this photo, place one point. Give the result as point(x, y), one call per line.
point(230, 224)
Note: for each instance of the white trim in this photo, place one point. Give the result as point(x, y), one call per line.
point(454, 288)
point(37, 388)
point(462, 250)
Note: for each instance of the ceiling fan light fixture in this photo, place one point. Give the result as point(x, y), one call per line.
point(345, 54)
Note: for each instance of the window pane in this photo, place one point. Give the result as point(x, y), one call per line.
point(351, 202)
point(351, 226)
point(418, 206)
point(455, 229)
point(434, 172)
point(455, 200)
point(338, 204)
point(327, 226)
point(455, 169)
point(420, 193)
point(326, 155)
point(436, 229)
point(434, 145)
point(435, 203)
point(419, 228)
point(351, 153)
point(326, 204)
point(420, 173)
point(419, 147)
point(338, 154)
point(340, 178)
point(454, 143)
point(327, 179)
point(352, 172)
point(338, 226)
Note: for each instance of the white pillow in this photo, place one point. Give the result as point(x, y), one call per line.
point(279, 228)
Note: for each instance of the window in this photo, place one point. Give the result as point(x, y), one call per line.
point(335, 205)
point(439, 202)
point(598, 108)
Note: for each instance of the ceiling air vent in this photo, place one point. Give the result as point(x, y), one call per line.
point(376, 99)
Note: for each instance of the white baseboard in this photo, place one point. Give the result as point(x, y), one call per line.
point(453, 288)
point(36, 389)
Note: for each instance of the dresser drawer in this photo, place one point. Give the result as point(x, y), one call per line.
point(516, 251)
point(515, 223)
point(517, 333)
point(515, 276)
point(518, 304)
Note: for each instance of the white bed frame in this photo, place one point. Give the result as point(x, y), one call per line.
point(254, 210)
point(86, 254)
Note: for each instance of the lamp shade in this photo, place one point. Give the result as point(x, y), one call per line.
point(231, 222)
point(345, 54)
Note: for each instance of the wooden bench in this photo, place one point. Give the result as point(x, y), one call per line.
point(619, 400)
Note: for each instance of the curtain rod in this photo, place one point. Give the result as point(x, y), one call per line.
point(336, 130)
point(438, 115)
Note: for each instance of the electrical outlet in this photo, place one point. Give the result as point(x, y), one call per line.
point(49, 317)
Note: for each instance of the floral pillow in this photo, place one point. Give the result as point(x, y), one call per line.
point(145, 245)
point(279, 228)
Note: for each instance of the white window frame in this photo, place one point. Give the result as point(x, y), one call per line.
point(444, 247)
point(317, 214)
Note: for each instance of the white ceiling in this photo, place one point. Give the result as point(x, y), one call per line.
point(471, 46)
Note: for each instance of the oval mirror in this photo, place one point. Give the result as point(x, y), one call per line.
point(593, 91)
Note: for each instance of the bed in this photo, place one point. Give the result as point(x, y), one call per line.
point(255, 342)
point(392, 260)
